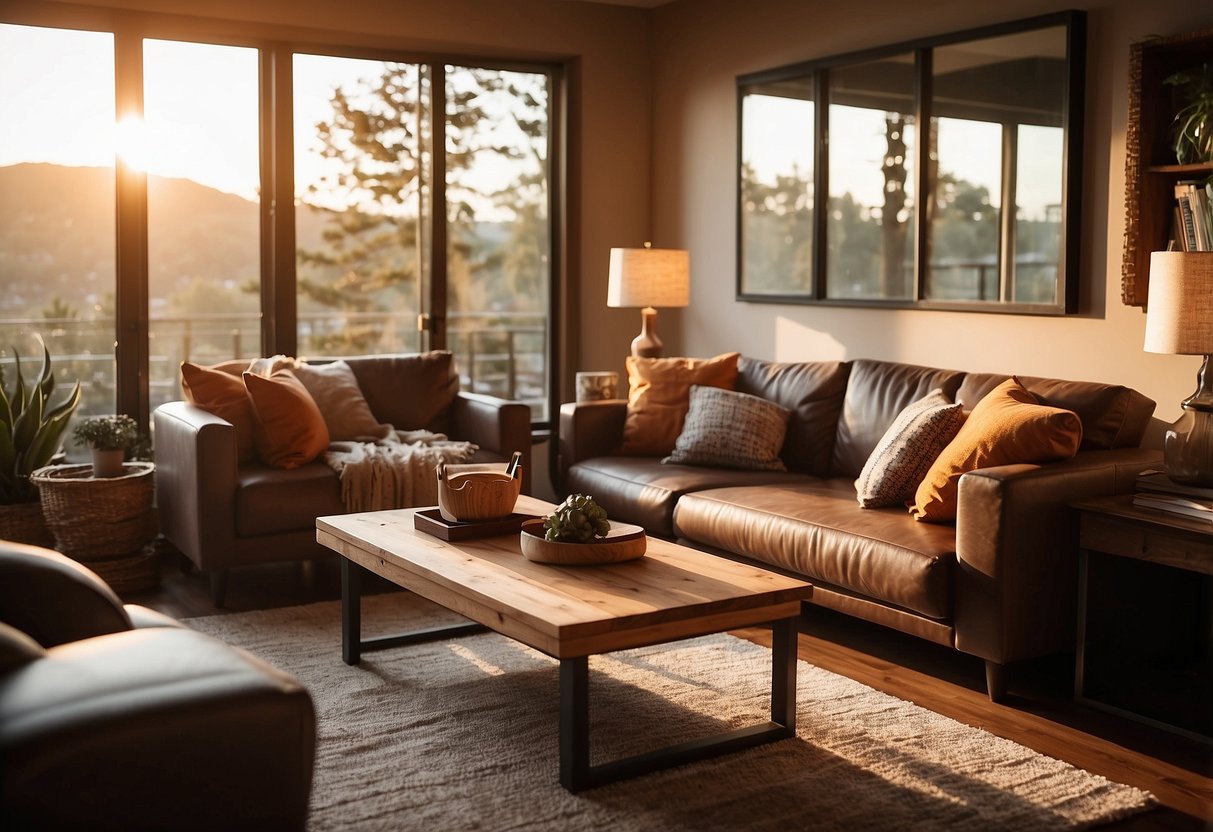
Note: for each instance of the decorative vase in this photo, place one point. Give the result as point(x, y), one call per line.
point(108, 464)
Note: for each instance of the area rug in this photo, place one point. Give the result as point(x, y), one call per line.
point(462, 735)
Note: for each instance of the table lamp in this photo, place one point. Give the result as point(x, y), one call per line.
point(648, 277)
point(1179, 320)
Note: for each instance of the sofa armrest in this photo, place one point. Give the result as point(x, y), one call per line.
point(498, 426)
point(1016, 547)
point(196, 483)
point(590, 429)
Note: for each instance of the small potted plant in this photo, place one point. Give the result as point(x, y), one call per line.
point(1193, 124)
point(109, 437)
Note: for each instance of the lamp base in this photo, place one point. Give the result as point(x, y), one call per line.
point(1187, 447)
point(647, 344)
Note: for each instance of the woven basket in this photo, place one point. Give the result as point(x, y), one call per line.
point(131, 573)
point(97, 519)
point(25, 523)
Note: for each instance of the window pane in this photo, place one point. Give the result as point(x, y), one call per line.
point(57, 206)
point(964, 221)
point(359, 204)
point(201, 156)
point(777, 188)
point(870, 229)
point(1039, 167)
point(498, 231)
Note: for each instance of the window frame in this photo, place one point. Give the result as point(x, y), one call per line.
point(276, 48)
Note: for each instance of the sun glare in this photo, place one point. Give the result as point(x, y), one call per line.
point(130, 139)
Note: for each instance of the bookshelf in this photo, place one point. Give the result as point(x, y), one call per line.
point(1150, 169)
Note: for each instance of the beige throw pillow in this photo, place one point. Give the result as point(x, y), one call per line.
point(345, 410)
point(907, 450)
point(731, 430)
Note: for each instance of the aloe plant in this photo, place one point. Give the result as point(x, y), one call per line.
point(31, 428)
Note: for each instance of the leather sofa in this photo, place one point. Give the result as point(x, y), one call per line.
point(999, 584)
point(221, 513)
point(117, 717)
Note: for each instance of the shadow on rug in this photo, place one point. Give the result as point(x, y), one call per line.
point(462, 734)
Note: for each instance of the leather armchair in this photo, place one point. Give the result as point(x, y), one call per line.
point(117, 717)
point(221, 513)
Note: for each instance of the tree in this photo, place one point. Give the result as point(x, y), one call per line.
point(376, 244)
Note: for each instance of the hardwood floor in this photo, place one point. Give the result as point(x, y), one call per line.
point(1039, 711)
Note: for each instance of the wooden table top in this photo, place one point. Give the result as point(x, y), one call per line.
point(672, 592)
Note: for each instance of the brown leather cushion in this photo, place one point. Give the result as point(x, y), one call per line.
point(1112, 416)
point(220, 390)
point(643, 491)
point(813, 391)
point(1006, 427)
point(816, 529)
point(876, 392)
point(289, 430)
point(409, 391)
point(659, 395)
point(272, 500)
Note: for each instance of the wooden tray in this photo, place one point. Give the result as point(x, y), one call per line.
point(622, 543)
point(431, 521)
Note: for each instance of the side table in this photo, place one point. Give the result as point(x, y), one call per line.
point(1145, 615)
point(105, 523)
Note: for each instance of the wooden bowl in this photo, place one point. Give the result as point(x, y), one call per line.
point(622, 543)
point(477, 495)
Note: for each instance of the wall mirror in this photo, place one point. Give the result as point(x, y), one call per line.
point(949, 167)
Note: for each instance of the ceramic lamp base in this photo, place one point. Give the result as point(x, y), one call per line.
point(647, 344)
point(1188, 448)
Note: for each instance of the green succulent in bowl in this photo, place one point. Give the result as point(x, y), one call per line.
point(577, 520)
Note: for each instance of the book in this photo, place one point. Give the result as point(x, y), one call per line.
point(1176, 505)
point(1158, 482)
point(1185, 213)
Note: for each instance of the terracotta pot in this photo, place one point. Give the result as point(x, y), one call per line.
point(108, 464)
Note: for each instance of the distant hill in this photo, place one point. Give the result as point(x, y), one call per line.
point(57, 236)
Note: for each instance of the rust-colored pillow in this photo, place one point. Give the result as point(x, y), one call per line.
point(660, 393)
point(220, 390)
point(1006, 427)
point(289, 429)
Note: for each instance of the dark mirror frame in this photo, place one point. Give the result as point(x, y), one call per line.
point(815, 75)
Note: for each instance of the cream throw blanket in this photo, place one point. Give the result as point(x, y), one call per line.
point(397, 472)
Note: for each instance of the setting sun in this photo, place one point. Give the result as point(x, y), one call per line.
point(130, 142)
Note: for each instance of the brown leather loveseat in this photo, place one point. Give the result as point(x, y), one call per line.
point(1000, 583)
point(221, 512)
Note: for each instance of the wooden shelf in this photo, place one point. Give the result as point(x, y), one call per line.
point(1150, 169)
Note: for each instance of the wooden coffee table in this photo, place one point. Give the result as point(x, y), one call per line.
point(572, 612)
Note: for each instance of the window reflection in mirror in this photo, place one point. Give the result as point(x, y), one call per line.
point(870, 227)
point(777, 187)
point(998, 107)
point(950, 167)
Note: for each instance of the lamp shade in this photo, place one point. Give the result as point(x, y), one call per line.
point(649, 277)
point(1179, 309)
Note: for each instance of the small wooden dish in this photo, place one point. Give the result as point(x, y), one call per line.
point(476, 495)
point(622, 543)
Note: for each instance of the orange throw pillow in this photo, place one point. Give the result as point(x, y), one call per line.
point(222, 393)
point(289, 429)
point(1006, 427)
point(660, 393)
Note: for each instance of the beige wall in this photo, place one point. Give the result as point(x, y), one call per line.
point(700, 48)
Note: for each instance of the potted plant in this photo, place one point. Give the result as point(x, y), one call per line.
point(31, 429)
point(1193, 123)
point(109, 437)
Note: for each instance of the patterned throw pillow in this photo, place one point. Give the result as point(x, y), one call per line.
point(907, 450)
point(731, 430)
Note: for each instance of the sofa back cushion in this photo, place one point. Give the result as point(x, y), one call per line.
point(1112, 416)
point(409, 391)
point(876, 393)
point(813, 391)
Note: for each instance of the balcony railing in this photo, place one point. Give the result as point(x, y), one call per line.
point(500, 353)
